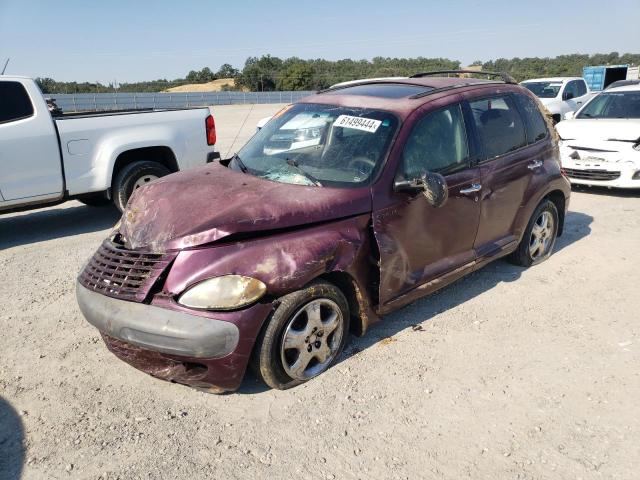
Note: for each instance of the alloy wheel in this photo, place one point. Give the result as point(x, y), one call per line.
point(312, 339)
point(542, 235)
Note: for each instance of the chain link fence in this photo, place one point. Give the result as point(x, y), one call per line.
point(88, 102)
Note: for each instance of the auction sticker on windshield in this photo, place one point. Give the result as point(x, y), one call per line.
point(359, 123)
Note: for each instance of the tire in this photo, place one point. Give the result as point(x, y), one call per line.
point(130, 175)
point(527, 254)
point(94, 199)
point(274, 364)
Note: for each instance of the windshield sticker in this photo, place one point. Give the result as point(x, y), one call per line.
point(358, 123)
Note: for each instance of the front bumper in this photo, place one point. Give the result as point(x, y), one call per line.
point(158, 329)
point(606, 169)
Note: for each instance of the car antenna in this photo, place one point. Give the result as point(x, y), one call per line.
point(5, 65)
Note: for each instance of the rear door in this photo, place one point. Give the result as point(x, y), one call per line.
point(29, 153)
point(419, 243)
point(507, 166)
point(570, 96)
point(581, 93)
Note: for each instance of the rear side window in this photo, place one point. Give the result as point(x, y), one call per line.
point(535, 125)
point(438, 143)
point(581, 87)
point(15, 103)
point(499, 125)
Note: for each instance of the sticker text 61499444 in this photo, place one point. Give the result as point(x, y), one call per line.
point(358, 123)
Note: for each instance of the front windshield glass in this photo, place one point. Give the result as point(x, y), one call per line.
point(613, 105)
point(543, 89)
point(321, 145)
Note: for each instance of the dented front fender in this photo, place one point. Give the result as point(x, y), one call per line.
point(287, 261)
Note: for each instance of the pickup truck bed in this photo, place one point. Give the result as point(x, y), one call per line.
point(95, 157)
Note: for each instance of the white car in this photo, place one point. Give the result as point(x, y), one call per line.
point(93, 157)
point(559, 95)
point(600, 144)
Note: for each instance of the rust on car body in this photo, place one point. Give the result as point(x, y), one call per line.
point(382, 247)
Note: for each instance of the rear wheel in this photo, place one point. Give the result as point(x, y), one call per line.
point(134, 176)
point(304, 336)
point(539, 237)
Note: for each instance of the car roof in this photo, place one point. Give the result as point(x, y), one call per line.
point(552, 79)
point(418, 90)
point(624, 88)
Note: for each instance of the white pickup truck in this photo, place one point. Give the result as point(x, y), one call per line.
point(95, 157)
point(560, 94)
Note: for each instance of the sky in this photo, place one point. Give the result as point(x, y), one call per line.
point(135, 40)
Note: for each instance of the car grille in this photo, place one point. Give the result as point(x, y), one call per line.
point(591, 174)
point(125, 274)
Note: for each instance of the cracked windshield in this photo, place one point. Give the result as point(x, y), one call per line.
point(319, 145)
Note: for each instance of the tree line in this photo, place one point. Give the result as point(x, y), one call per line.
point(269, 73)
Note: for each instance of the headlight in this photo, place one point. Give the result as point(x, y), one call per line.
point(223, 293)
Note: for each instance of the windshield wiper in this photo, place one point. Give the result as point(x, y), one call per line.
point(294, 164)
point(243, 168)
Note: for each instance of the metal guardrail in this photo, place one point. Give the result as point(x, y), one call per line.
point(84, 102)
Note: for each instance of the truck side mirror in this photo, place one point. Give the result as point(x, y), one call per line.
point(567, 95)
point(569, 115)
point(432, 185)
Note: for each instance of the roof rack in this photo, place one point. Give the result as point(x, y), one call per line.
point(506, 78)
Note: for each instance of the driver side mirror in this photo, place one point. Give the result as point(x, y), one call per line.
point(567, 95)
point(432, 185)
point(569, 115)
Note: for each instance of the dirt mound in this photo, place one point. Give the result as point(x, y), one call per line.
point(215, 86)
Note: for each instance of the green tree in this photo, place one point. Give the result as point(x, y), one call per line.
point(226, 70)
point(298, 76)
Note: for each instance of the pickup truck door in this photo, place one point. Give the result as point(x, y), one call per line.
point(574, 95)
point(29, 154)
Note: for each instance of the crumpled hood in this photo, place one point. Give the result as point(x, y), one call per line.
point(599, 129)
point(205, 204)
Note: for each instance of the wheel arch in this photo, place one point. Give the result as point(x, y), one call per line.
point(357, 303)
point(558, 199)
point(161, 154)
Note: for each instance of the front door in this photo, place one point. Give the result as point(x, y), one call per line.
point(419, 243)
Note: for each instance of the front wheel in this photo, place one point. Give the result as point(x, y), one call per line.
point(539, 237)
point(304, 336)
point(132, 177)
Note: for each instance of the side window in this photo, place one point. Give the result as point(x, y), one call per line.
point(536, 127)
point(499, 125)
point(437, 143)
point(581, 87)
point(14, 102)
point(572, 87)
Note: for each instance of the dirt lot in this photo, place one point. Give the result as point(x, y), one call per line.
point(509, 373)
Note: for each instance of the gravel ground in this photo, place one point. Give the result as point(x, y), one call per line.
point(509, 373)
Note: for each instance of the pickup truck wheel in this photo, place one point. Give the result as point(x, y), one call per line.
point(303, 337)
point(94, 199)
point(539, 237)
point(134, 176)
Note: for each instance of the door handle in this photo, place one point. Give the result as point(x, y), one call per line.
point(534, 165)
point(475, 187)
point(579, 103)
